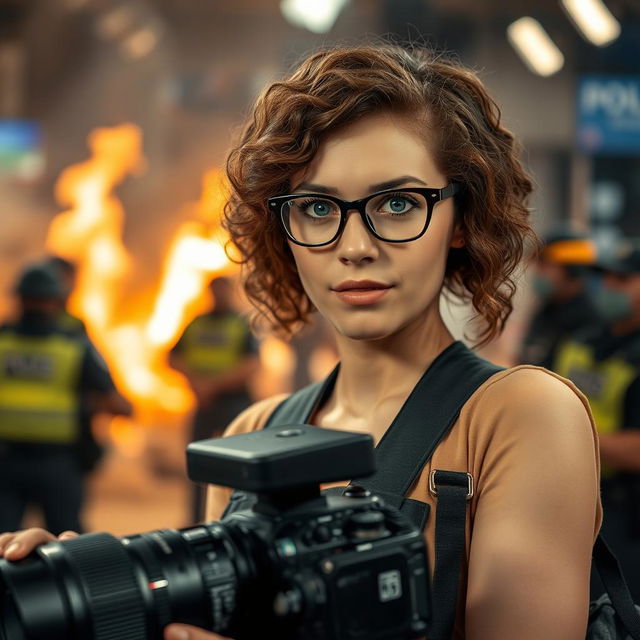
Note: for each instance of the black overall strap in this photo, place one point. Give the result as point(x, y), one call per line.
point(612, 578)
point(426, 417)
point(424, 420)
point(453, 490)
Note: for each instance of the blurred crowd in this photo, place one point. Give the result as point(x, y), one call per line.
point(586, 328)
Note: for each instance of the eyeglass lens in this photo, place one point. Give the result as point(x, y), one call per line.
point(395, 216)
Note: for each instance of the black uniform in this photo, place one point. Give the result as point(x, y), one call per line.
point(44, 372)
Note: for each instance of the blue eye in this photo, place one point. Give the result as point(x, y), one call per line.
point(320, 209)
point(316, 208)
point(398, 205)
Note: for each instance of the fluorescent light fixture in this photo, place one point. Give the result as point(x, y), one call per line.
point(593, 19)
point(535, 47)
point(318, 16)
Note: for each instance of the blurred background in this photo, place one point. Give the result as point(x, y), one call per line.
point(115, 117)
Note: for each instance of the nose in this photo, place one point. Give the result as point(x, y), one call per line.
point(356, 244)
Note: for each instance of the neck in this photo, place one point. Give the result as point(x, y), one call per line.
point(372, 372)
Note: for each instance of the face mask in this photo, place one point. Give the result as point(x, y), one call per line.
point(542, 287)
point(611, 305)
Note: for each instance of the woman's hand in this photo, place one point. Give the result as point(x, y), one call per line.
point(18, 544)
point(187, 632)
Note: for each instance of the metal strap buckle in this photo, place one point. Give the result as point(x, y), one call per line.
point(434, 489)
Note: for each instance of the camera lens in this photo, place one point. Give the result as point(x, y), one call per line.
point(85, 587)
point(98, 587)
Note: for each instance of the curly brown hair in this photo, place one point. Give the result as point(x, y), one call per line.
point(338, 86)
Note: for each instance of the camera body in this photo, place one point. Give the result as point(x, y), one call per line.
point(337, 567)
point(285, 561)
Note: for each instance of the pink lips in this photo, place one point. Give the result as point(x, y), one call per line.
point(361, 292)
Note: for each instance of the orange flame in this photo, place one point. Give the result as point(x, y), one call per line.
point(133, 336)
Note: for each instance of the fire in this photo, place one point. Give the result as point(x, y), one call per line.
point(133, 332)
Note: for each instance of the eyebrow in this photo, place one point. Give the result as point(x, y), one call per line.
point(380, 186)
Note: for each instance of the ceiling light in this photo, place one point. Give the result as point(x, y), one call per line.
point(535, 47)
point(318, 16)
point(593, 19)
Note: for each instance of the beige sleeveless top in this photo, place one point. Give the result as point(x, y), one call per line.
point(516, 428)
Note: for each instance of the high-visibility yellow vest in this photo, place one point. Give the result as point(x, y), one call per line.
point(214, 343)
point(39, 395)
point(605, 382)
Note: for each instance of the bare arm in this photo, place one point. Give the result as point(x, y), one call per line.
point(534, 526)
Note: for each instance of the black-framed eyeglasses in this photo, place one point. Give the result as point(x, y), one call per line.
point(393, 215)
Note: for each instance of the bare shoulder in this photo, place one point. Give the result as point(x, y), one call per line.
point(525, 387)
point(255, 416)
point(537, 403)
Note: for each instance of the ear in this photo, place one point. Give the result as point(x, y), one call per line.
point(457, 238)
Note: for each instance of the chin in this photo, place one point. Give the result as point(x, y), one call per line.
point(366, 332)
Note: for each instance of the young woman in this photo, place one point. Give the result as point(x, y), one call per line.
point(401, 183)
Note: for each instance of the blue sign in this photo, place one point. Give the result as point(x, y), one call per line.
point(19, 135)
point(608, 118)
point(20, 148)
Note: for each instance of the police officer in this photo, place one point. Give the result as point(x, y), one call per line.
point(605, 365)
point(43, 373)
point(218, 355)
point(559, 282)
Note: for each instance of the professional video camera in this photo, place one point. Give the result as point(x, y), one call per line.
point(295, 564)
